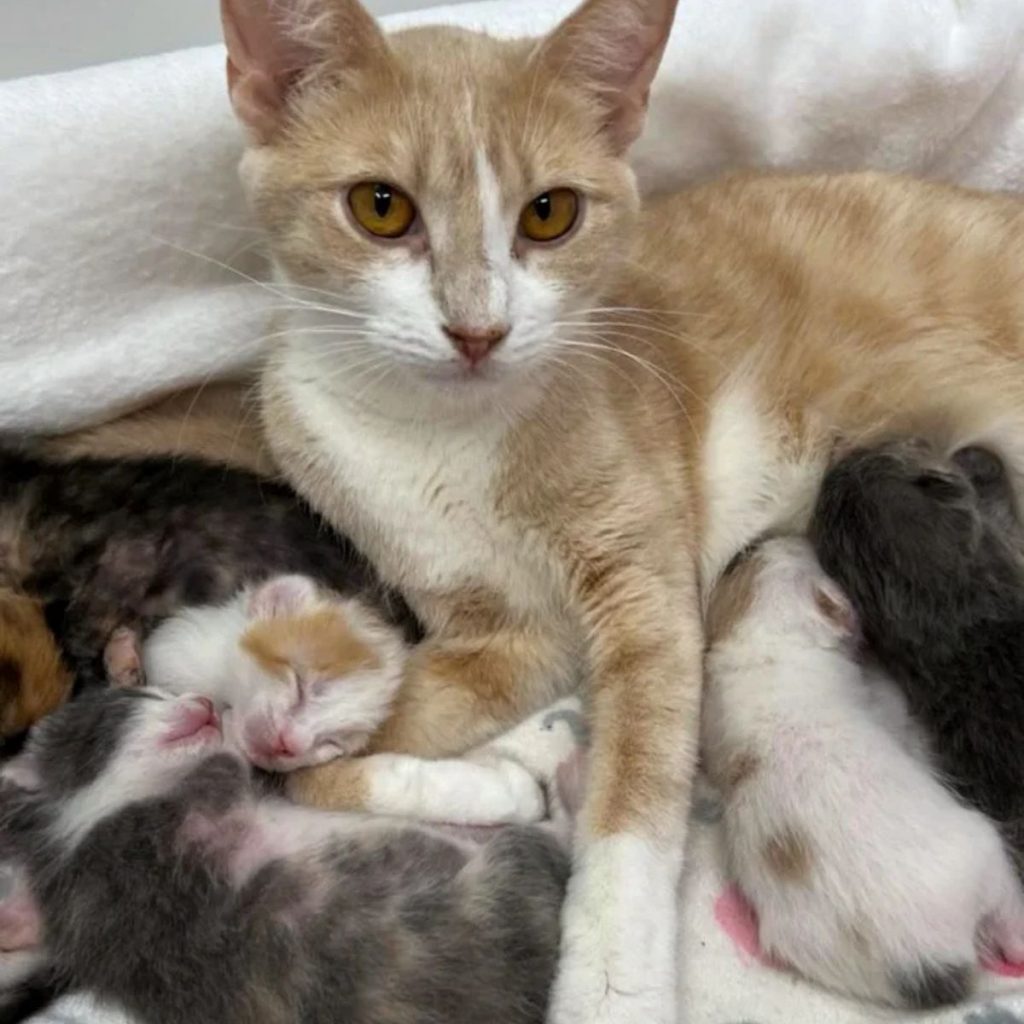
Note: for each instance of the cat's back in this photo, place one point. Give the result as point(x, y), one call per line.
point(899, 232)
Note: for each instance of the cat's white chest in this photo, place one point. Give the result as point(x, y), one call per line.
point(753, 482)
point(420, 498)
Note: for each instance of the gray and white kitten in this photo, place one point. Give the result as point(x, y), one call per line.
point(167, 882)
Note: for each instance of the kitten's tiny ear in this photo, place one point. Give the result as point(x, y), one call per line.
point(276, 45)
point(613, 48)
point(281, 597)
point(835, 607)
point(22, 772)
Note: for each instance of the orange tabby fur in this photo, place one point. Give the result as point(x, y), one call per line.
point(216, 422)
point(33, 678)
point(320, 644)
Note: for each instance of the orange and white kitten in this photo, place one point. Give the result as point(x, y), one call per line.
point(304, 675)
point(307, 675)
point(551, 414)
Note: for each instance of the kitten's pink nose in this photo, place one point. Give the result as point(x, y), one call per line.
point(275, 746)
point(475, 344)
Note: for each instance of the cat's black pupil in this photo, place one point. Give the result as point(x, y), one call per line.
point(382, 200)
point(542, 206)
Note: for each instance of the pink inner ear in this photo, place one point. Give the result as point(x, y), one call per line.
point(282, 597)
point(836, 609)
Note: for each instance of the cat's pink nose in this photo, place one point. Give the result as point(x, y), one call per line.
point(475, 344)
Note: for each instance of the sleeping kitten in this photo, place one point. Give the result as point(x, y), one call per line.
point(930, 551)
point(33, 678)
point(167, 884)
point(551, 414)
point(867, 875)
point(108, 544)
point(307, 675)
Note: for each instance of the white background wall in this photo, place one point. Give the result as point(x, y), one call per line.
point(37, 36)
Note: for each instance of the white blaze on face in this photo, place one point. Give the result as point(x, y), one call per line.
point(497, 240)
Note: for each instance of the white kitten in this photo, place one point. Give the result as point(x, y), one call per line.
point(866, 874)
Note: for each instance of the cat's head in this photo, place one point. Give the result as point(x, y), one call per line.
point(464, 199)
point(318, 675)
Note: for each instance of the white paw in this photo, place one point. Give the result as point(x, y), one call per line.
point(526, 798)
point(543, 741)
point(618, 938)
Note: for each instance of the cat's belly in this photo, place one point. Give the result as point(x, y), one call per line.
point(754, 478)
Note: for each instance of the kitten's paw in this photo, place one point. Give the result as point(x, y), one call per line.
point(543, 741)
point(618, 938)
point(122, 659)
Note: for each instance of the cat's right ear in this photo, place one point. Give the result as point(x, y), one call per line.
point(281, 598)
point(275, 47)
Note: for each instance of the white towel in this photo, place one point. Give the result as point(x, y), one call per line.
point(102, 168)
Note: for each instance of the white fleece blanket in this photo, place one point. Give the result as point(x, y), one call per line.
point(120, 208)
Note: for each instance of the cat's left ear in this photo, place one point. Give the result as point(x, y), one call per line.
point(612, 49)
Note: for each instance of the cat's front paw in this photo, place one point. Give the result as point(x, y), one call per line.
point(618, 963)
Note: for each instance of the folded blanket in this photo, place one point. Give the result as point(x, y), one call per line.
point(121, 205)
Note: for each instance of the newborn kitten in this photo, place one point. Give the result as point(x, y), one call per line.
point(307, 675)
point(867, 875)
point(929, 550)
point(109, 543)
point(166, 883)
point(33, 679)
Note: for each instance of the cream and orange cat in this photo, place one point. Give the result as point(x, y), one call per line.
point(551, 414)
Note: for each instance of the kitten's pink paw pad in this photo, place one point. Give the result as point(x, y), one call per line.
point(738, 919)
point(1002, 967)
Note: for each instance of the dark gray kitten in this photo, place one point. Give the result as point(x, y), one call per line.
point(168, 883)
point(929, 552)
point(109, 543)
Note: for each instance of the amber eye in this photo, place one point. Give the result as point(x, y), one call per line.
point(551, 215)
point(382, 209)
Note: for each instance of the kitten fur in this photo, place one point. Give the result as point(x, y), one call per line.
point(866, 874)
point(33, 677)
point(109, 543)
point(553, 449)
point(929, 549)
point(308, 674)
point(168, 885)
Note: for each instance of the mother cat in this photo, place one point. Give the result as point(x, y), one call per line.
point(552, 416)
